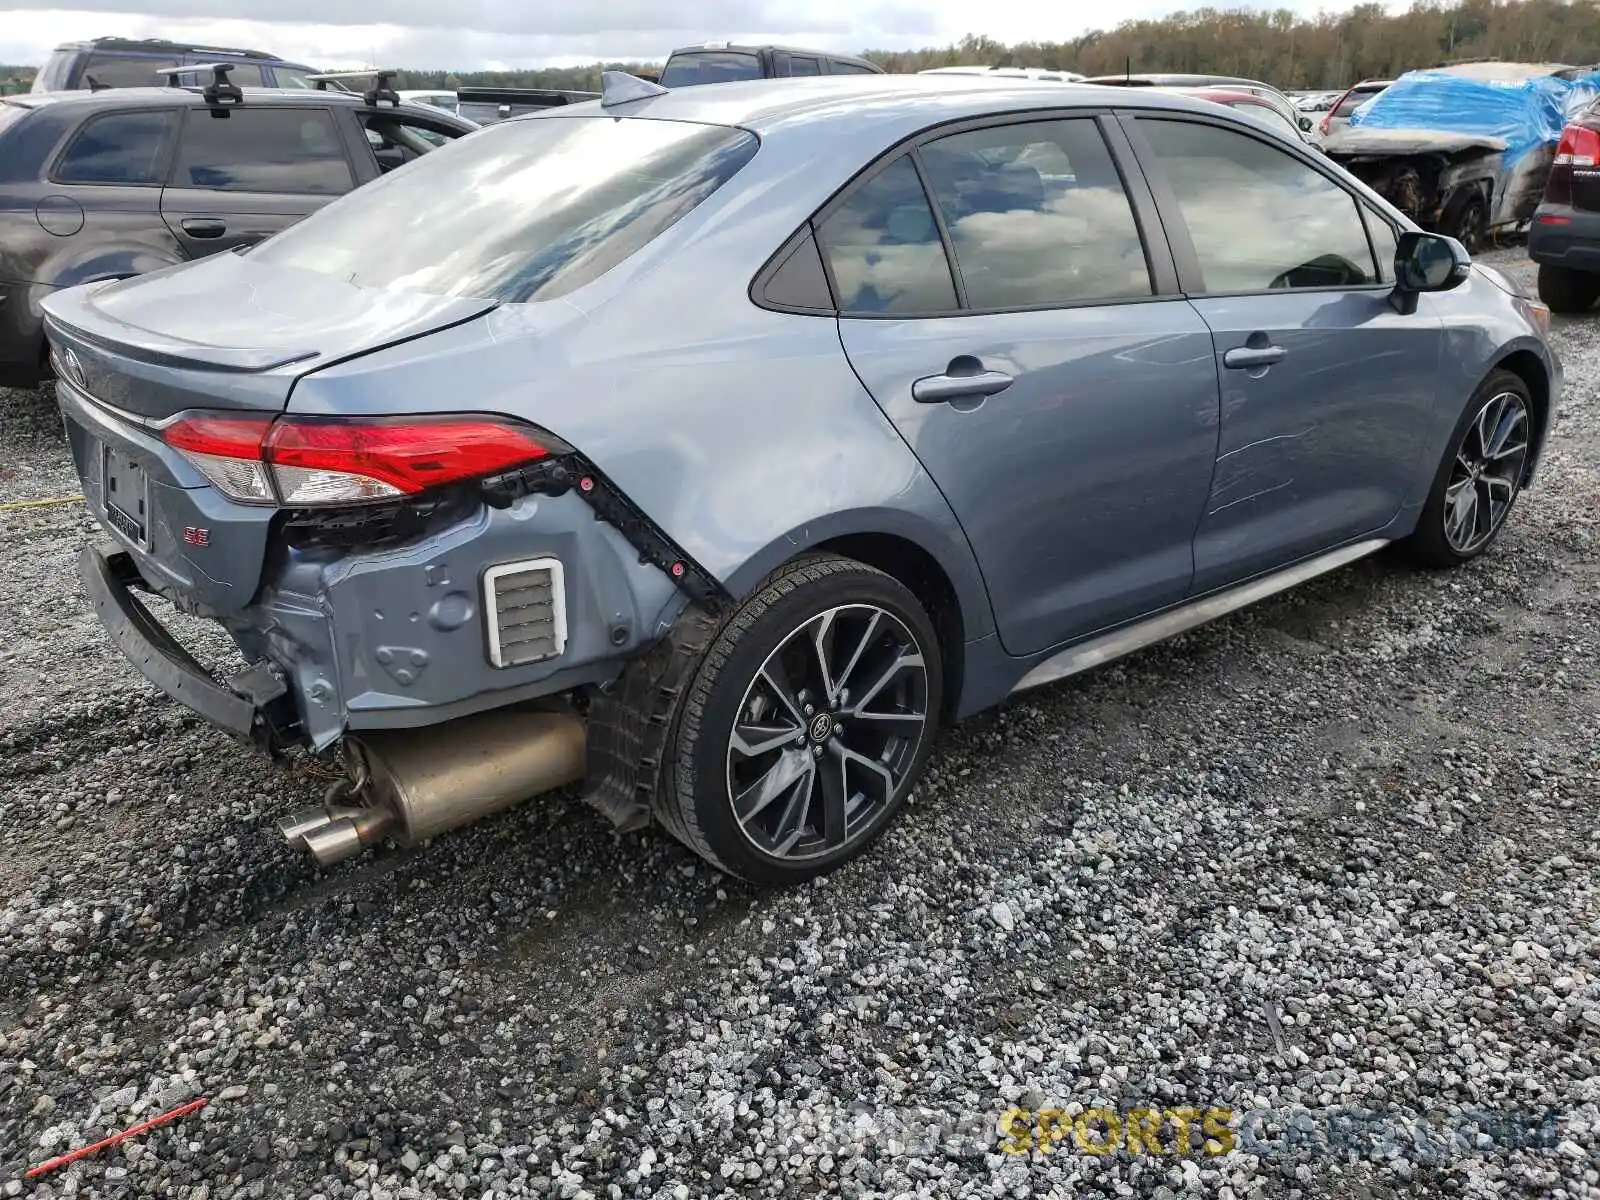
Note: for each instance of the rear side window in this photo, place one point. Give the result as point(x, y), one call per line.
point(798, 64)
point(710, 66)
point(883, 248)
point(119, 148)
point(1037, 215)
point(290, 151)
point(523, 210)
point(111, 70)
point(242, 75)
point(1260, 219)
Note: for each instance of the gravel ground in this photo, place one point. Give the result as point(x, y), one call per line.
point(1336, 853)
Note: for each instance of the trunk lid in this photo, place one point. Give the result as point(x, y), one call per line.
point(222, 333)
point(228, 333)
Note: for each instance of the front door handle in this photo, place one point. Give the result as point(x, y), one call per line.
point(204, 227)
point(1244, 358)
point(964, 379)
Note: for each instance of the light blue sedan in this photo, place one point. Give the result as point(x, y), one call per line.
point(716, 446)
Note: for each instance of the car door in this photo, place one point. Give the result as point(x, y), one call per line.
point(243, 172)
point(100, 202)
point(1327, 389)
point(1031, 347)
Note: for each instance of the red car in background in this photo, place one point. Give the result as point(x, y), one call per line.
point(1564, 238)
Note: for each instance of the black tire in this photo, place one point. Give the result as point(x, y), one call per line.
point(1566, 290)
point(704, 769)
point(1467, 220)
point(1433, 543)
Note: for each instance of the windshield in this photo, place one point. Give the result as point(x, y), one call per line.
point(527, 209)
point(710, 66)
point(1354, 101)
point(52, 77)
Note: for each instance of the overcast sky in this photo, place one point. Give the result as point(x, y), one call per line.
point(508, 33)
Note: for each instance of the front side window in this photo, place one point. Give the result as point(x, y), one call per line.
point(1385, 242)
point(1037, 215)
point(118, 148)
point(1259, 218)
point(799, 65)
point(849, 68)
point(883, 247)
point(395, 140)
point(519, 211)
point(710, 66)
point(290, 151)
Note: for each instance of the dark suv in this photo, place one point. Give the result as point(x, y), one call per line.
point(124, 62)
point(103, 185)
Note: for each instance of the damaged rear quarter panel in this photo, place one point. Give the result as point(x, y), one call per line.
point(396, 637)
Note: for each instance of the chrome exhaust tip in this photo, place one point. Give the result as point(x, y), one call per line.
point(421, 782)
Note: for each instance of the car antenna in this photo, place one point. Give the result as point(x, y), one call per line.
point(618, 87)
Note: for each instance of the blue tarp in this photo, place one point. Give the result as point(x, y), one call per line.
point(1526, 113)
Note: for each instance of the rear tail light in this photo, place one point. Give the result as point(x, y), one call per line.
point(1327, 122)
point(1579, 147)
point(305, 462)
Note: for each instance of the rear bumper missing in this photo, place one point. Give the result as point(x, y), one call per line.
point(253, 705)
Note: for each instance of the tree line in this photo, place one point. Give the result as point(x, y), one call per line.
point(1331, 50)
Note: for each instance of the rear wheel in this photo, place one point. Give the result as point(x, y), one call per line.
point(1566, 290)
point(1480, 477)
point(809, 720)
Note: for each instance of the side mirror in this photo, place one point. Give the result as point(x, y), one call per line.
point(1305, 124)
point(1427, 262)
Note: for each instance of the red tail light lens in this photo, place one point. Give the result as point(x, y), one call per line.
point(302, 461)
point(1579, 147)
point(1327, 122)
point(317, 462)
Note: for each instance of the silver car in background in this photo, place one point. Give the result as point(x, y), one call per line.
point(717, 446)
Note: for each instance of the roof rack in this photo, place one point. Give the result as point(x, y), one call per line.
point(381, 91)
point(221, 89)
point(122, 43)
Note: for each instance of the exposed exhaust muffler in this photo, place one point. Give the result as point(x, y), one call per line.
point(415, 783)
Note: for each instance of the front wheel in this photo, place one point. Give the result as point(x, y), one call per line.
point(1480, 477)
point(809, 720)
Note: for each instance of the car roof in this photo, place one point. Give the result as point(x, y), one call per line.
point(162, 46)
point(879, 106)
point(133, 96)
point(757, 47)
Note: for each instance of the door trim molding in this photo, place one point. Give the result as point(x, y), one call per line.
point(1187, 616)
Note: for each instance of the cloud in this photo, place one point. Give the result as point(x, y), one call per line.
point(509, 33)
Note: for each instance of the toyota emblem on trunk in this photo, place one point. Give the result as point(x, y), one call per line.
point(73, 369)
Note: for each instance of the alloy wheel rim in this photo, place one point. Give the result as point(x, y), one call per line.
point(1486, 473)
point(827, 732)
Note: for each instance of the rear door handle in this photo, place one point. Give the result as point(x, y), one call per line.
point(204, 227)
point(960, 385)
point(1242, 358)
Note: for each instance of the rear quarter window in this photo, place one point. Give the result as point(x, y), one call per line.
point(523, 210)
point(126, 148)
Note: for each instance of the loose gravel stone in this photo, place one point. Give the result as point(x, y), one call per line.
point(1337, 854)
